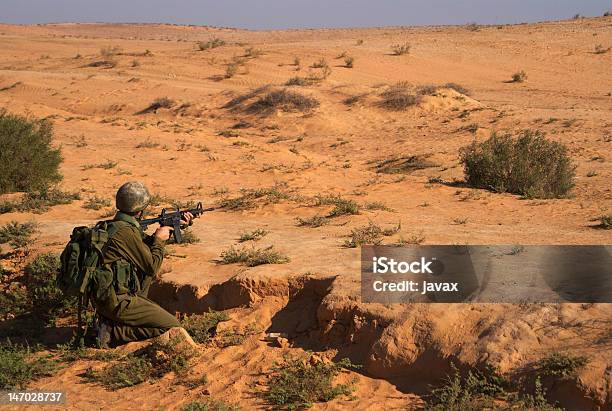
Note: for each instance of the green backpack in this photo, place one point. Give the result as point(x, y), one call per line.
point(82, 256)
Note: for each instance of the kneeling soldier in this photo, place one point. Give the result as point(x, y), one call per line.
point(132, 259)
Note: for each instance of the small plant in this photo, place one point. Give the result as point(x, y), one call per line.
point(149, 363)
point(473, 392)
point(403, 164)
point(228, 133)
point(314, 221)
point(397, 98)
point(400, 49)
point(519, 77)
point(45, 300)
point(252, 52)
point(529, 165)
point(17, 235)
point(371, 234)
point(96, 203)
point(561, 365)
point(458, 88)
point(211, 44)
point(209, 404)
point(321, 63)
point(377, 205)
point(39, 201)
point(148, 143)
point(230, 70)
point(344, 207)
point(161, 102)
point(202, 327)
point(254, 235)
point(606, 221)
point(349, 62)
point(252, 257)
point(600, 49)
point(298, 81)
point(298, 383)
point(28, 162)
point(359, 42)
point(285, 100)
point(19, 366)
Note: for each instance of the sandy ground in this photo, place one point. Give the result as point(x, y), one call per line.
point(97, 116)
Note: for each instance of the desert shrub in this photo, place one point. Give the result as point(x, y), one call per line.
point(403, 164)
point(161, 102)
point(209, 404)
point(371, 234)
point(211, 44)
point(400, 49)
point(285, 100)
point(149, 363)
point(148, 143)
point(272, 195)
point(519, 76)
point(397, 98)
point(201, 327)
point(427, 90)
point(349, 62)
point(377, 205)
point(18, 366)
point(27, 142)
point(103, 63)
point(96, 203)
point(39, 201)
point(600, 49)
point(298, 81)
point(352, 100)
point(252, 52)
point(606, 222)
point(231, 69)
point(254, 235)
point(252, 257)
point(561, 365)
point(45, 299)
point(17, 234)
point(529, 165)
point(473, 392)
point(342, 206)
point(314, 221)
point(458, 88)
point(298, 383)
point(321, 63)
point(472, 27)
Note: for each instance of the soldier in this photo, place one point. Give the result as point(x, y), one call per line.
point(132, 259)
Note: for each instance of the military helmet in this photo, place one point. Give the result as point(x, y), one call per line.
point(132, 197)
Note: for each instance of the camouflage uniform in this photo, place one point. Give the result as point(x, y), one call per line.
point(131, 260)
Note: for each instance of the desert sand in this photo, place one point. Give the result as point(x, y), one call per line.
point(100, 114)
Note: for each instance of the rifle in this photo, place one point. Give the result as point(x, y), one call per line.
point(173, 219)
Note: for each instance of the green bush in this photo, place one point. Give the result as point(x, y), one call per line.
point(253, 256)
point(202, 327)
point(529, 165)
point(16, 234)
point(27, 160)
point(298, 383)
point(209, 404)
point(561, 365)
point(18, 366)
point(46, 300)
point(149, 363)
point(39, 201)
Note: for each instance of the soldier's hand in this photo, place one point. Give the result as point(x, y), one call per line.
point(187, 219)
point(163, 233)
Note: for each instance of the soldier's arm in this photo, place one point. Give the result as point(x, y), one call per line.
point(147, 257)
